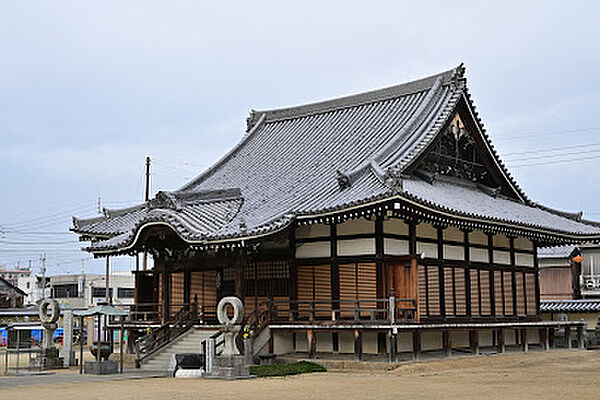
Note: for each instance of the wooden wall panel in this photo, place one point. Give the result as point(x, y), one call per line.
point(498, 292)
point(203, 284)
point(177, 298)
point(520, 294)
point(358, 281)
point(530, 287)
point(422, 290)
point(475, 309)
point(434, 291)
point(486, 303)
point(448, 291)
point(555, 283)
point(314, 283)
point(461, 295)
point(508, 297)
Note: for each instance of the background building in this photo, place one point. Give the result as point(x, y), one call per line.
point(12, 275)
point(10, 295)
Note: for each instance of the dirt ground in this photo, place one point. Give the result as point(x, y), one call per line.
point(558, 374)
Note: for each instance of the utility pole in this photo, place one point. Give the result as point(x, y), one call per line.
point(146, 199)
point(43, 270)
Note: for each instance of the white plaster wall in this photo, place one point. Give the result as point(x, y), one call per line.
point(478, 237)
point(454, 252)
point(356, 247)
point(395, 247)
point(453, 233)
point(404, 341)
point(324, 342)
point(460, 339)
point(431, 340)
point(346, 342)
point(312, 231)
point(478, 255)
point(426, 231)
point(356, 226)
point(301, 342)
point(395, 226)
point(486, 338)
point(283, 342)
point(524, 259)
point(501, 241)
point(313, 249)
point(501, 257)
point(369, 342)
point(429, 249)
point(522, 243)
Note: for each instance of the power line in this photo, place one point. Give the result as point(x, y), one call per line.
point(518, 136)
point(595, 158)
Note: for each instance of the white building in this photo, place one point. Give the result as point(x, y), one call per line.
point(81, 290)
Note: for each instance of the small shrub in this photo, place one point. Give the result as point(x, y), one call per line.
point(302, 367)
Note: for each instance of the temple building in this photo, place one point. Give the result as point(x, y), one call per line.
point(379, 222)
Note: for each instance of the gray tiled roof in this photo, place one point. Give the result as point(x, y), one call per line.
point(321, 158)
point(556, 252)
point(585, 305)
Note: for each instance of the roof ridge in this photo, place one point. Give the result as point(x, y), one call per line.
point(357, 99)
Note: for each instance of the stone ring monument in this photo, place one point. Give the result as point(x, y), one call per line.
point(49, 313)
point(238, 311)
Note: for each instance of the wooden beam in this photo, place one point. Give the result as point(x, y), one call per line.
point(441, 280)
point(467, 273)
point(524, 341)
point(311, 337)
point(335, 268)
point(544, 339)
point(474, 341)
point(492, 275)
point(537, 279)
point(447, 343)
point(416, 345)
point(580, 337)
point(240, 263)
point(568, 337)
point(513, 275)
point(501, 341)
point(358, 345)
point(392, 346)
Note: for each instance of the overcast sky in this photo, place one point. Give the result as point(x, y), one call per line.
point(88, 89)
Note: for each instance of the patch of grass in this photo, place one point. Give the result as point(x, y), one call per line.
point(302, 367)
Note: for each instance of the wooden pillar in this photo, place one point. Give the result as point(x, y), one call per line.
point(550, 337)
point(239, 265)
point(524, 341)
point(392, 346)
point(467, 252)
point(568, 337)
point(545, 339)
point(580, 337)
point(513, 275)
point(107, 296)
point(501, 341)
point(416, 345)
point(312, 343)
point(441, 280)
point(358, 345)
point(447, 343)
point(293, 281)
point(474, 341)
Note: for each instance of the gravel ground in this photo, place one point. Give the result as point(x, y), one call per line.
point(558, 374)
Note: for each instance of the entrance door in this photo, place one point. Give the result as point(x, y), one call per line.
point(402, 276)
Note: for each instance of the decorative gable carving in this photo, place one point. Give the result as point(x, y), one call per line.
point(455, 153)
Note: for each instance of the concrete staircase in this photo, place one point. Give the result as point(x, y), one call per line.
point(190, 342)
